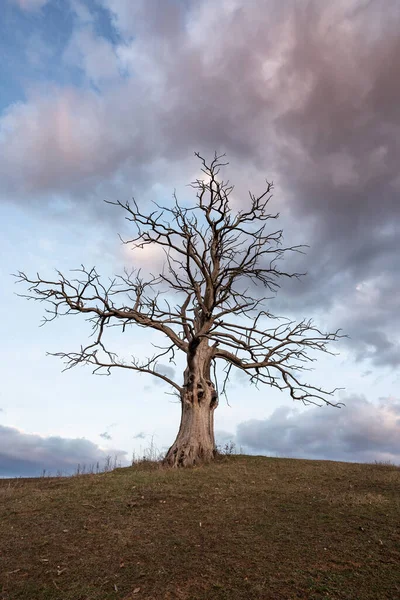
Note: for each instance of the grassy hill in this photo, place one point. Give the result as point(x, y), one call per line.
point(242, 528)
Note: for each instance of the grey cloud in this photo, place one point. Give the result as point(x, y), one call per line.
point(163, 20)
point(361, 431)
point(225, 439)
point(376, 346)
point(140, 436)
point(27, 455)
point(106, 434)
point(369, 314)
point(165, 370)
point(341, 161)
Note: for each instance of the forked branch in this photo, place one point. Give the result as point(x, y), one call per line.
point(219, 265)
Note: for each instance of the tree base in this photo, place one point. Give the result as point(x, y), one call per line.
point(195, 442)
point(188, 455)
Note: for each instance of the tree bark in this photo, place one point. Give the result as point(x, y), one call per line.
point(195, 442)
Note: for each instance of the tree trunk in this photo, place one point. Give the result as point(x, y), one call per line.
point(195, 442)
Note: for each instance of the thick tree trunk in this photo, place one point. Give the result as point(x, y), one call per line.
point(195, 442)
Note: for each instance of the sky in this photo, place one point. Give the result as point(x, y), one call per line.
point(109, 99)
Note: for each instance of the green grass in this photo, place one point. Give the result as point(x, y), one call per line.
point(241, 528)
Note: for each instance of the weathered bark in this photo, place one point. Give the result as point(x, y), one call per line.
point(195, 442)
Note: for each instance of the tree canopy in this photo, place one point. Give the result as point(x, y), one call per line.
point(209, 301)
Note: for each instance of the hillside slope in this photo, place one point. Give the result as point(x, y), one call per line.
point(242, 528)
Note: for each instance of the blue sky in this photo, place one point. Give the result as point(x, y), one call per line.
point(106, 99)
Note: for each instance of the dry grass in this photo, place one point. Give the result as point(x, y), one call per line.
point(242, 528)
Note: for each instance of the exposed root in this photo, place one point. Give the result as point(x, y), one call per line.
point(188, 455)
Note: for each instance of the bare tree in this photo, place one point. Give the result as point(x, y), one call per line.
point(219, 265)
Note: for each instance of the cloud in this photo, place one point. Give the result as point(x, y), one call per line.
point(302, 93)
point(66, 128)
point(149, 259)
point(37, 51)
point(94, 55)
point(82, 12)
point(362, 431)
point(30, 5)
point(106, 434)
point(165, 370)
point(366, 373)
point(225, 440)
point(162, 19)
point(27, 455)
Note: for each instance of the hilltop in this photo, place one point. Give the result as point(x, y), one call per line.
point(243, 527)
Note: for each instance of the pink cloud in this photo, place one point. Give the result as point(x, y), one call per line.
point(58, 138)
point(30, 5)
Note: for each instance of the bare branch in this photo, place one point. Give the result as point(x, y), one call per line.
point(219, 264)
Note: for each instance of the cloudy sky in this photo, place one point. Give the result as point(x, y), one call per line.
point(109, 99)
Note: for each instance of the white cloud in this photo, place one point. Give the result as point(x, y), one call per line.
point(150, 258)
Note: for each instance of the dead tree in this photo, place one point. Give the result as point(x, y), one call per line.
point(209, 303)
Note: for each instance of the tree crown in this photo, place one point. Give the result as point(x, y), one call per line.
point(218, 264)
